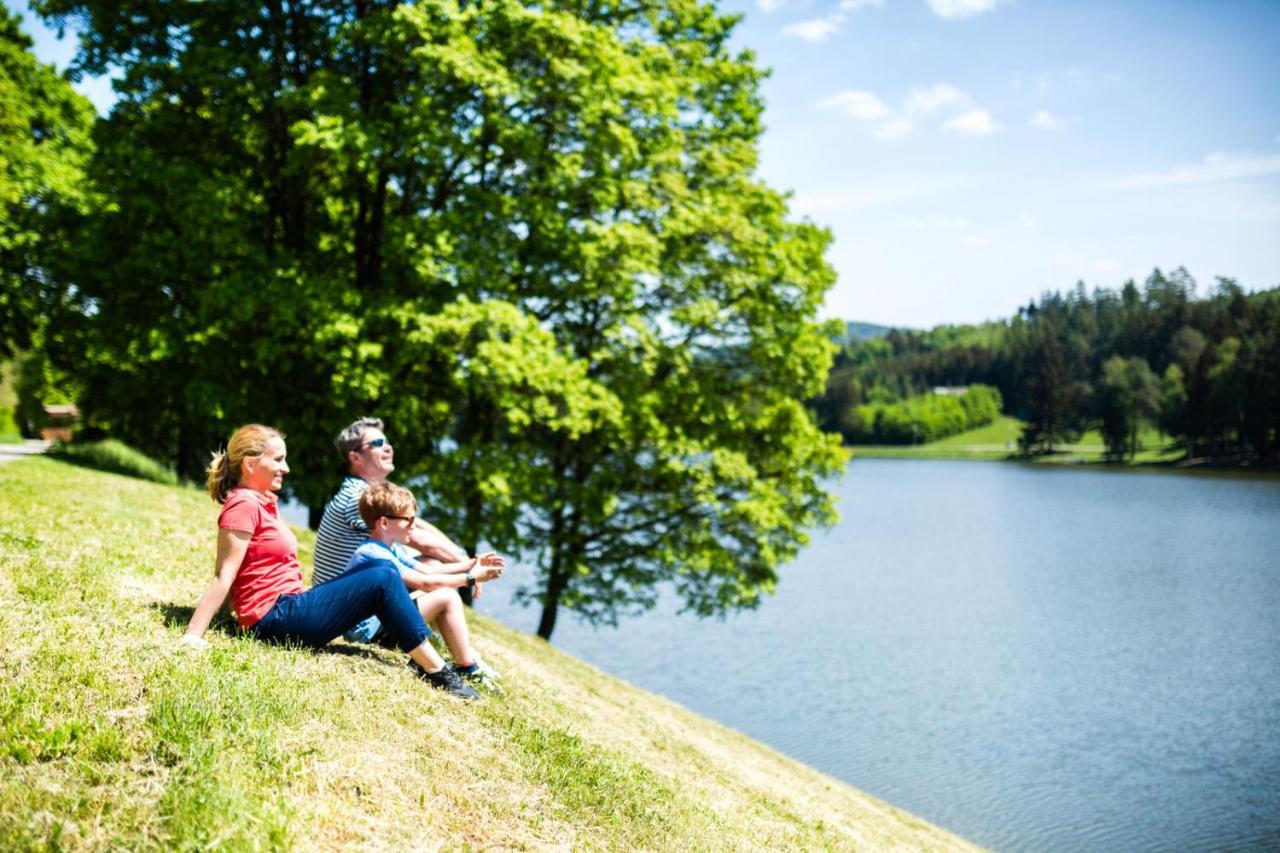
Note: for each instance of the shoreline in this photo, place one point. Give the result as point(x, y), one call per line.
point(1060, 459)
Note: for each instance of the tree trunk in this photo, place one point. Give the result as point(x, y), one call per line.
point(550, 607)
point(556, 583)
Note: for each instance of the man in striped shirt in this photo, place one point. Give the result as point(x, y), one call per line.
point(444, 567)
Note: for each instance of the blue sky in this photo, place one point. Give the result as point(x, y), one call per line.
point(970, 154)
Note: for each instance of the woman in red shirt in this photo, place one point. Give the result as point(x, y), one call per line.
point(257, 565)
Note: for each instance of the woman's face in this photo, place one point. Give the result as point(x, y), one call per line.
point(266, 472)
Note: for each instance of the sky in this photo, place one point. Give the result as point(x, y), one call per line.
point(968, 155)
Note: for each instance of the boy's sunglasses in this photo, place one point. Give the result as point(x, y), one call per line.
point(377, 442)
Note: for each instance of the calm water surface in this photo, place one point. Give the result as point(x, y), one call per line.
point(1036, 659)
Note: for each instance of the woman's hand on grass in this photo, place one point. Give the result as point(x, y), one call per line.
point(194, 642)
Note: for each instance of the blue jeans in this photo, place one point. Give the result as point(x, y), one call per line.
point(315, 617)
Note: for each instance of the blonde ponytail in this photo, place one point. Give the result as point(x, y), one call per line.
point(217, 478)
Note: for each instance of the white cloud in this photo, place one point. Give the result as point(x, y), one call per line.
point(951, 9)
point(974, 241)
point(816, 29)
point(1216, 167)
point(973, 123)
point(940, 99)
point(1106, 265)
point(1026, 220)
point(857, 103)
point(1045, 120)
point(945, 98)
point(768, 6)
point(923, 101)
point(895, 129)
point(854, 5)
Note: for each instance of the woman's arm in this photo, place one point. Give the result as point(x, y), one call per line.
point(232, 545)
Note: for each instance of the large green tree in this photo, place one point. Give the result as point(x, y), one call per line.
point(44, 144)
point(529, 236)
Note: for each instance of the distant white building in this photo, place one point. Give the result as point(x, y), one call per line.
point(950, 390)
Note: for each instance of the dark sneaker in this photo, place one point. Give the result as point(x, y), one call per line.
point(447, 680)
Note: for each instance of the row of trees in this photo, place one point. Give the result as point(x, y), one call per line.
point(527, 235)
point(1204, 369)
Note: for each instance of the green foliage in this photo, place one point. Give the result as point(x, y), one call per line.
point(982, 404)
point(37, 381)
point(1129, 397)
point(8, 400)
point(1215, 354)
point(44, 143)
point(527, 236)
point(1054, 364)
point(929, 417)
point(116, 457)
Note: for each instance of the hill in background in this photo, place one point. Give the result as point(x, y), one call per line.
point(855, 331)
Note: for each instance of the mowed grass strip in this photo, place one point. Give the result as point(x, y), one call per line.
point(111, 737)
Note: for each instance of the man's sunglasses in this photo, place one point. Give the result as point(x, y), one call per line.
point(407, 518)
point(377, 442)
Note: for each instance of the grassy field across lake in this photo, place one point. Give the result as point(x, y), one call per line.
point(999, 440)
point(111, 737)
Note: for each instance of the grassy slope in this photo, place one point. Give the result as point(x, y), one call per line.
point(110, 737)
point(999, 440)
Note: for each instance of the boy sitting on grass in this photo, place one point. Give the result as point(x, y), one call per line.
point(388, 511)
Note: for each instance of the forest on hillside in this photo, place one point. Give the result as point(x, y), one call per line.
point(1203, 368)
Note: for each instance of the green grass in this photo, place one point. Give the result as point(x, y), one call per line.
point(1000, 434)
point(999, 440)
point(116, 457)
point(111, 737)
point(10, 438)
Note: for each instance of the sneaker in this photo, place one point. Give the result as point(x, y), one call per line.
point(446, 679)
point(481, 678)
point(488, 671)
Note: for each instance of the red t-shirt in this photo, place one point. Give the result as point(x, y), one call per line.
point(270, 568)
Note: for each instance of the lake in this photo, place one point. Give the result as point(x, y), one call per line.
point(1036, 658)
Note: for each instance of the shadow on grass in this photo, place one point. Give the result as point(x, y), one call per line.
point(179, 615)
